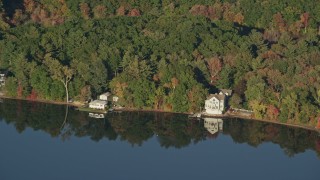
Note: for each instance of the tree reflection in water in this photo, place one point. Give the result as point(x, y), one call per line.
point(171, 130)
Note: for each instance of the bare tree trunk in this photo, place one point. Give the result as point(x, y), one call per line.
point(65, 83)
point(67, 92)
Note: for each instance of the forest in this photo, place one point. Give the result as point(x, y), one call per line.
point(167, 55)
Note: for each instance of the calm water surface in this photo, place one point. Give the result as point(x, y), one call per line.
point(37, 143)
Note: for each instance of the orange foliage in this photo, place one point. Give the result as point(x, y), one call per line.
point(33, 95)
point(85, 10)
point(29, 5)
point(211, 12)
point(318, 124)
point(295, 28)
point(228, 16)
point(99, 11)
point(121, 11)
point(17, 17)
point(156, 78)
point(238, 18)
point(19, 90)
point(199, 10)
point(174, 82)
point(168, 107)
point(271, 35)
point(304, 18)
point(280, 23)
point(217, 11)
point(272, 112)
point(134, 12)
point(42, 14)
point(214, 66)
point(270, 55)
point(230, 59)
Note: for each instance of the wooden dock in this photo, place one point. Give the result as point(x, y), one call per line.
point(87, 109)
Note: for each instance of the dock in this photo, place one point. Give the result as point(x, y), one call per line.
point(87, 109)
point(195, 115)
point(231, 113)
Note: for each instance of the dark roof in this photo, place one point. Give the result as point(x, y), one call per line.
point(4, 72)
point(217, 96)
point(106, 93)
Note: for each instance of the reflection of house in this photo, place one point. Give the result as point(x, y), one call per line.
point(98, 104)
point(215, 103)
point(3, 75)
point(213, 125)
point(98, 116)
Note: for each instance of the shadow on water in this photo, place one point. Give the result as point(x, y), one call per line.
point(171, 130)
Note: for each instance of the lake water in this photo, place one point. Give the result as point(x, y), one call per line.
point(37, 143)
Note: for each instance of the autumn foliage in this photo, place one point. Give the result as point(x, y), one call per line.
point(272, 112)
point(121, 11)
point(218, 11)
point(280, 22)
point(214, 66)
point(134, 12)
point(167, 54)
point(33, 95)
point(19, 90)
point(99, 11)
point(85, 10)
point(318, 123)
point(46, 15)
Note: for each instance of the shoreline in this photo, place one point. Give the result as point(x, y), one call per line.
point(78, 104)
point(275, 122)
point(227, 116)
point(149, 110)
point(44, 101)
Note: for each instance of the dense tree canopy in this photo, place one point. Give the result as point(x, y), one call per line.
point(167, 54)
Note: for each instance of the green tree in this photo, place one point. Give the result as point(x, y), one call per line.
point(255, 89)
point(59, 72)
point(291, 102)
point(41, 82)
point(11, 86)
point(226, 79)
point(142, 92)
point(235, 101)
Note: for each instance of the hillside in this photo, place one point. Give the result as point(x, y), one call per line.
point(167, 54)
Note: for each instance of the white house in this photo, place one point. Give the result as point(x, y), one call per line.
point(215, 103)
point(108, 97)
point(115, 98)
point(98, 104)
point(3, 76)
point(105, 96)
point(213, 125)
